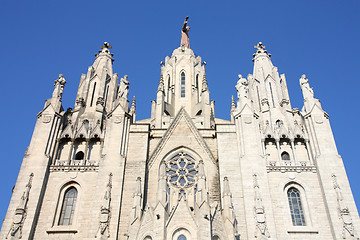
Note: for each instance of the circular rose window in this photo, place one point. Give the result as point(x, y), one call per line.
point(181, 170)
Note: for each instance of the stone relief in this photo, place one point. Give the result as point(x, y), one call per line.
point(105, 212)
point(20, 212)
point(348, 231)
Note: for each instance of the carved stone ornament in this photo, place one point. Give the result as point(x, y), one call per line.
point(105, 212)
point(348, 231)
point(20, 213)
point(118, 119)
point(261, 231)
point(46, 119)
point(100, 101)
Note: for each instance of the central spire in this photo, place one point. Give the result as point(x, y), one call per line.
point(185, 42)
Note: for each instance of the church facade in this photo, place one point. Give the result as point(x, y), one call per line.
point(96, 172)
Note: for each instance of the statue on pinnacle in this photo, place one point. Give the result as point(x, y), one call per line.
point(185, 42)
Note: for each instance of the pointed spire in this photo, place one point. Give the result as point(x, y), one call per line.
point(226, 191)
point(204, 81)
point(233, 105)
point(133, 106)
point(161, 83)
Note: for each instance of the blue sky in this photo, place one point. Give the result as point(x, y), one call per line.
point(40, 39)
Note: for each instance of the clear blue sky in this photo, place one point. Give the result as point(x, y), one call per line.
point(40, 39)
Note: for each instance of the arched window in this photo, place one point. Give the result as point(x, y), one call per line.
point(93, 93)
point(215, 238)
point(197, 81)
point(79, 155)
point(68, 207)
point(181, 237)
point(285, 156)
point(182, 84)
point(296, 208)
point(147, 238)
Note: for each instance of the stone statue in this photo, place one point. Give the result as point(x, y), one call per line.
point(123, 87)
point(308, 92)
point(59, 86)
point(242, 87)
point(185, 34)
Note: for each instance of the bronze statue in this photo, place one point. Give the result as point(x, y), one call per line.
point(185, 34)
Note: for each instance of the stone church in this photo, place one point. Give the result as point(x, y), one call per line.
point(96, 172)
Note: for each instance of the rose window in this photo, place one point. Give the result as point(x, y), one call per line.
point(181, 170)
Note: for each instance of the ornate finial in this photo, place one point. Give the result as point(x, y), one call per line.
point(260, 49)
point(106, 45)
point(259, 46)
point(161, 83)
point(233, 106)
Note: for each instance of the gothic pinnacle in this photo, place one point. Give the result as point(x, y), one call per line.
point(260, 49)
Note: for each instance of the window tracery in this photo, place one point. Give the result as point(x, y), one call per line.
point(181, 170)
point(296, 208)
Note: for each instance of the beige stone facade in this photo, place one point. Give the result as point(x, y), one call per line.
point(95, 172)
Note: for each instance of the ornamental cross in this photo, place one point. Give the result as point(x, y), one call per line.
point(259, 46)
point(106, 45)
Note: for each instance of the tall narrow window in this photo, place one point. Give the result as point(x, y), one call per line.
point(169, 89)
point(296, 209)
point(272, 96)
point(93, 93)
point(182, 84)
point(68, 207)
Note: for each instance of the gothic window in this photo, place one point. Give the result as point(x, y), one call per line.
point(181, 237)
point(197, 81)
point(296, 209)
point(216, 238)
point(182, 84)
point(79, 155)
point(147, 238)
point(181, 170)
point(68, 207)
point(93, 93)
point(285, 156)
point(169, 89)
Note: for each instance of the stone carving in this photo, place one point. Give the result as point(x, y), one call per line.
point(80, 102)
point(344, 213)
point(20, 212)
point(59, 86)
point(242, 87)
point(261, 227)
point(100, 101)
point(308, 92)
point(105, 212)
point(123, 87)
point(185, 42)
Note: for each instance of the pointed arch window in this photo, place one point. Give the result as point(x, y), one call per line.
point(181, 237)
point(285, 156)
point(182, 84)
point(93, 93)
point(68, 207)
point(296, 207)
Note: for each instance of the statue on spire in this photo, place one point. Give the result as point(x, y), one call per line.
point(308, 92)
point(185, 34)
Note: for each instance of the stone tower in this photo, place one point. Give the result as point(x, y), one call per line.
point(95, 172)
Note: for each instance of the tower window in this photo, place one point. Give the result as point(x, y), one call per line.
point(285, 156)
point(181, 237)
point(296, 209)
point(93, 93)
point(182, 84)
point(79, 155)
point(68, 207)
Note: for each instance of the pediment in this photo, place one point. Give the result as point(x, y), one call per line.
point(182, 132)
